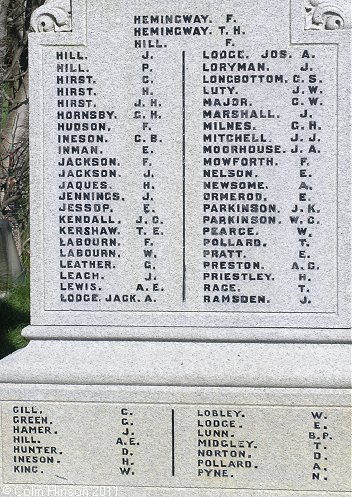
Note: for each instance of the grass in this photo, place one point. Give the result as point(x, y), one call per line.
point(14, 316)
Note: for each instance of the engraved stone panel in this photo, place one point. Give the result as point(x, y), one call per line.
point(192, 168)
point(297, 448)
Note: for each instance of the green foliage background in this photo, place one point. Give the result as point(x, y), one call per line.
point(14, 168)
point(14, 316)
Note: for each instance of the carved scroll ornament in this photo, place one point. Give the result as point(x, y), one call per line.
point(325, 15)
point(54, 15)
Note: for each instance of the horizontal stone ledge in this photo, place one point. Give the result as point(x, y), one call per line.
point(180, 364)
point(182, 333)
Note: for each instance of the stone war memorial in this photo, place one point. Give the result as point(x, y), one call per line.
point(190, 286)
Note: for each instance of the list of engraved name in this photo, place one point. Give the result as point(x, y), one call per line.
point(205, 195)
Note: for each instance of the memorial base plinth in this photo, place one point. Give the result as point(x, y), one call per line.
point(88, 362)
point(141, 419)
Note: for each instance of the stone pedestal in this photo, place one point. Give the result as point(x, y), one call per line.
point(190, 325)
point(140, 419)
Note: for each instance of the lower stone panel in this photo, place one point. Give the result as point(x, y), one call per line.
point(173, 441)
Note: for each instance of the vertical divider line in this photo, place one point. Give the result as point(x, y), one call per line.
point(173, 441)
point(184, 170)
